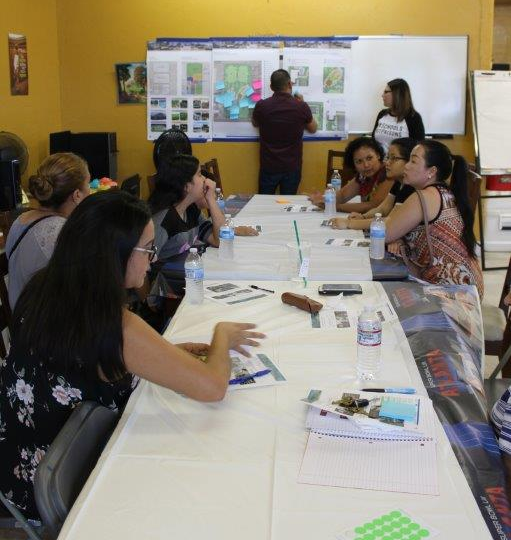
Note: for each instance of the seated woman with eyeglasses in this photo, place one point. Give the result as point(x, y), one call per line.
point(74, 340)
point(365, 156)
point(399, 153)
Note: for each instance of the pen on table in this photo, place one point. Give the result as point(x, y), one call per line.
point(390, 390)
point(261, 289)
point(244, 378)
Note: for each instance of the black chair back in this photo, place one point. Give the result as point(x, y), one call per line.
point(69, 461)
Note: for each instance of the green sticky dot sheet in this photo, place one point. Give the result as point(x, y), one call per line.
point(393, 525)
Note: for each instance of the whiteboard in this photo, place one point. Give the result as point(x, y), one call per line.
point(491, 96)
point(435, 67)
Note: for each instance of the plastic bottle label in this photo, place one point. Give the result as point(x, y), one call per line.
point(194, 273)
point(329, 197)
point(369, 338)
point(226, 233)
point(221, 204)
point(377, 233)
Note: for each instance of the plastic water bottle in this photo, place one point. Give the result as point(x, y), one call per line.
point(226, 249)
point(194, 276)
point(368, 344)
point(220, 199)
point(336, 180)
point(377, 249)
point(330, 202)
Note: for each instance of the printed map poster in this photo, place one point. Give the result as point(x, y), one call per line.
point(131, 82)
point(179, 87)
point(320, 70)
point(18, 64)
point(241, 77)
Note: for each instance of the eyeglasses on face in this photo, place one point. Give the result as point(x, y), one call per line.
point(151, 251)
point(392, 159)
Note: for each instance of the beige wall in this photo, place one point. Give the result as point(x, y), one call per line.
point(72, 82)
point(34, 116)
point(502, 34)
point(119, 32)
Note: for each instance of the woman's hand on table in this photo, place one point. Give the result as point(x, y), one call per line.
point(316, 197)
point(395, 247)
point(338, 223)
point(356, 215)
point(238, 335)
point(245, 230)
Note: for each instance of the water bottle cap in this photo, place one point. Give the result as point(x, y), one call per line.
point(368, 307)
point(193, 250)
point(218, 190)
point(329, 185)
point(336, 171)
point(227, 215)
point(377, 215)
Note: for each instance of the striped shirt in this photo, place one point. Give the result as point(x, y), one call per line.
point(501, 420)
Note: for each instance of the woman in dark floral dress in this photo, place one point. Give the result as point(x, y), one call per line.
point(74, 340)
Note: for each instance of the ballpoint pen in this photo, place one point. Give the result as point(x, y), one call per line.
point(243, 378)
point(261, 289)
point(390, 390)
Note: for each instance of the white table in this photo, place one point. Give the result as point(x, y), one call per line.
point(176, 468)
point(265, 257)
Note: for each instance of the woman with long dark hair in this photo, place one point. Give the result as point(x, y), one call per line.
point(74, 340)
point(450, 218)
point(399, 118)
point(179, 224)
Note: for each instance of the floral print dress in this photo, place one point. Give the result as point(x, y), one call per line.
point(35, 403)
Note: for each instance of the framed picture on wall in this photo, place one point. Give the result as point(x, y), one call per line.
point(131, 82)
point(18, 64)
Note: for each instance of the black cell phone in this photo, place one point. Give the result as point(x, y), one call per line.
point(332, 289)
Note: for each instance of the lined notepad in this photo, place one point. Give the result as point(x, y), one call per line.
point(401, 466)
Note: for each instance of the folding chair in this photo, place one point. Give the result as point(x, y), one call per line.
point(67, 464)
point(497, 323)
point(132, 185)
point(211, 167)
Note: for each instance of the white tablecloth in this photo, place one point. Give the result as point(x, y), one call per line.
point(176, 468)
point(265, 257)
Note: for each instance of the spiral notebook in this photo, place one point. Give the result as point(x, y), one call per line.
point(385, 461)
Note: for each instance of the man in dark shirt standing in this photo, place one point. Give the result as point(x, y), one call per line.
point(281, 120)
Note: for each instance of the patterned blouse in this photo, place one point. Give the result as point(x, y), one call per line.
point(451, 262)
point(35, 403)
point(367, 184)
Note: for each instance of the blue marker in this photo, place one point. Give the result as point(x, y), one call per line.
point(244, 378)
point(390, 390)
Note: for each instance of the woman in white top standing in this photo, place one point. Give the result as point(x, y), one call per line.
point(399, 119)
point(60, 184)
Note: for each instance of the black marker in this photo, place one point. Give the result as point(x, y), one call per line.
point(261, 289)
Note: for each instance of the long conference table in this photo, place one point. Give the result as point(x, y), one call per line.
point(176, 468)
